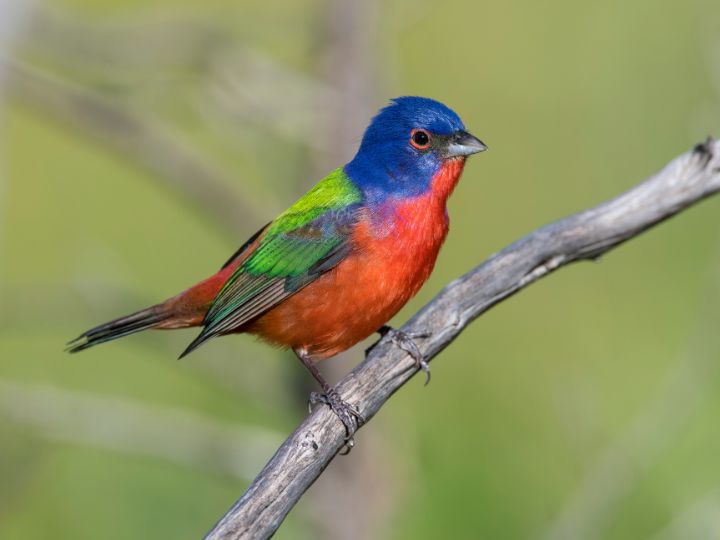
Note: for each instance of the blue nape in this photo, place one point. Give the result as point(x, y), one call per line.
point(387, 165)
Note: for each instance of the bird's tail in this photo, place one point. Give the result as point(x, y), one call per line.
point(141, 320)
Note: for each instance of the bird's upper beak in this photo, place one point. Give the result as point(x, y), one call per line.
point(462, 143)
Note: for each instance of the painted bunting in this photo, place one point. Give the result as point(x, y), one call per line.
point(340, 262)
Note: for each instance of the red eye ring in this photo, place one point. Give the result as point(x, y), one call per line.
point(420, 139)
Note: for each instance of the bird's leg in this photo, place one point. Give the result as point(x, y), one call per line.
point(348, 415)
point(406, 341)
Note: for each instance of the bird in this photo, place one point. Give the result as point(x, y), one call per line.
point(340, 262)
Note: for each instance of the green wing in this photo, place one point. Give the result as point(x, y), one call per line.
point(308, 239)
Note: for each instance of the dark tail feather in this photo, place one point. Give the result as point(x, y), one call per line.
point(202, 338)
point(124, 326)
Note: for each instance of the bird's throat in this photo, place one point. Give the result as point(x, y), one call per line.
point(445, 180)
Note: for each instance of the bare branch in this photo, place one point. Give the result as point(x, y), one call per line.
point(125, 130)
point(125, 425)
point(688, 179)
point(240, 86)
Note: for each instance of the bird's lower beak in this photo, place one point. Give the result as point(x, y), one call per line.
point(464, 144)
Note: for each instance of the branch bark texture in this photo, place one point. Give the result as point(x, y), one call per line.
point(685, 181)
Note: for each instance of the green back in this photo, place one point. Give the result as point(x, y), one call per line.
point(294, 241)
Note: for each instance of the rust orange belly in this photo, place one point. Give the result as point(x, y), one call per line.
point(344, 306)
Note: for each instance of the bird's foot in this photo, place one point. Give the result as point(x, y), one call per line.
point(406, 341)
point(348, 415)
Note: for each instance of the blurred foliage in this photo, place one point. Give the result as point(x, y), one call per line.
point(577, 101)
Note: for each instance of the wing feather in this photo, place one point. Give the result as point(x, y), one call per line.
point(281, 265)
point(310, 238)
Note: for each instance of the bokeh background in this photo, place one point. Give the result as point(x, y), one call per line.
point(143, 142)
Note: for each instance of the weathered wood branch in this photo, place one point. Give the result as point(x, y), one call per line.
point(688, 179)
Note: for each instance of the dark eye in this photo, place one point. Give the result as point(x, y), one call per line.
point(420, 139)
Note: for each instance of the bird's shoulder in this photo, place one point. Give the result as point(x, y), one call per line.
point(328, 199)
point(316, 225)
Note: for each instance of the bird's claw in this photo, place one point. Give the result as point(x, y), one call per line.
point(406, 341)
point(348, 415)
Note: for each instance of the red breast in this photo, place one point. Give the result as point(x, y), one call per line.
point(392, 259)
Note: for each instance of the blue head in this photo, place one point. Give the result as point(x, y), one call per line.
point(406, 144)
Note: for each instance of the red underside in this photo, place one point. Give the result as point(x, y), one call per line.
point(363, 292)
point(394, 256)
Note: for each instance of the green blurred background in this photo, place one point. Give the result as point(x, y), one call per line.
point(145, 141)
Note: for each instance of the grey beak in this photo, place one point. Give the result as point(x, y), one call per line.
point(463, 144)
